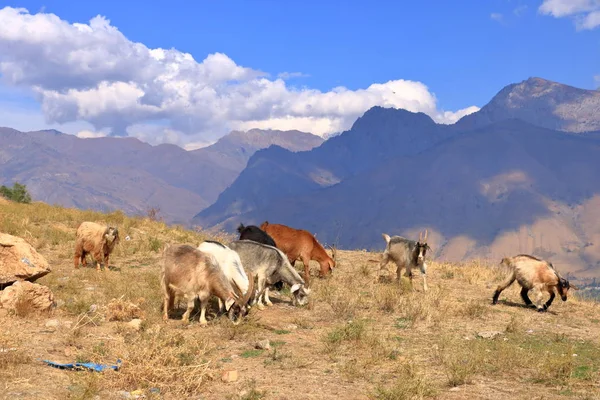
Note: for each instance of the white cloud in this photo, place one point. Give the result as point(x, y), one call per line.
point(290, 75)
point(93, 73)
point(496, 17)
point(452, 117)
point(90, 134)
point(586, 13)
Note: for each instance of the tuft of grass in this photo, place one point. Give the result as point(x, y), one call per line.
point(409, 383)
point(251, 353)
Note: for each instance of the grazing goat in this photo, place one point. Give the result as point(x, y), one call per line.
point(270, 265)
point(229, 262)
point(99, 240)
point(300, 243)
point(406, 253)
point(191, 273)
point(253, 232)
point(533, 273)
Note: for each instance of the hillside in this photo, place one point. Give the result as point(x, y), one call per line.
point(357, 338)
point(126, 174)
point(483, 189)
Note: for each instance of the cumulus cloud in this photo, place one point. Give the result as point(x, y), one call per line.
point(85, 134)
point(586, 13)
point(93, 73)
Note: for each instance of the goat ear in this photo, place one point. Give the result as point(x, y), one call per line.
point(295, 287)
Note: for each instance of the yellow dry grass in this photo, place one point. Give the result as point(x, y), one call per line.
point(357, 338)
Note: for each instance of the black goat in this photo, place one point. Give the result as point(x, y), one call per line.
point(254, 233)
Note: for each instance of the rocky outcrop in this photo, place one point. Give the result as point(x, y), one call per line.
point(24, 297)
point(19, 261)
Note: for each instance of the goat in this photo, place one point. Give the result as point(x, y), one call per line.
point(406, 253)
point(99, 240)
point(253, 232)
point(533, 273)
point(229, 262)
point(191, 273)
point(270, 265)
point(300, 243)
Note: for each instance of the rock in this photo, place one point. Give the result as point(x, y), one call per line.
point(93, 308)
point(263, 345)
point(489, 334)
point(291, 327)
point(20, 261)
point(229, 376)
point(24, 296)
point(53, 323)
point(135, 324)
point(454, 389)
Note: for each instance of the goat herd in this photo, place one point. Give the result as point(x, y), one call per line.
point(240, 274)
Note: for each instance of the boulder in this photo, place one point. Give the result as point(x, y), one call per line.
point(19, 261)
point(24, 297)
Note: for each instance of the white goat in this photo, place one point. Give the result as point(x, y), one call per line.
point(230, 263)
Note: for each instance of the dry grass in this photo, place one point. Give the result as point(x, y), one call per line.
point(357, 338)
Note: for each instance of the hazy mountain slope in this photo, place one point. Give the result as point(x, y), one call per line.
point(381, 134)
point(543, 103)
point(478, 193)
point(125, 173)
point(273, 173)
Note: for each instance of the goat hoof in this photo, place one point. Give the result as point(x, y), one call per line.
point(269, 304)
point(260, 307)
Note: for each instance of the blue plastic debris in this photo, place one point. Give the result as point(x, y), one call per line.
point(81, 366)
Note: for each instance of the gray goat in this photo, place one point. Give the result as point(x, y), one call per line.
point(406, 253)
point(270, 265)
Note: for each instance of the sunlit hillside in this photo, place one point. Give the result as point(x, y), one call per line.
point(359, 338)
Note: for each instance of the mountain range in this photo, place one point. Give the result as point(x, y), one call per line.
point(520, 175)
point(112, 173)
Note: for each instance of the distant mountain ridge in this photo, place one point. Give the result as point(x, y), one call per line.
point(504, 179)
point(542, 103)
point(124, 173)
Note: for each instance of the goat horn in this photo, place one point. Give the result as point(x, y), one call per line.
point(237, 291)
point(250, 291)
point(420, 236)
point(425, 239)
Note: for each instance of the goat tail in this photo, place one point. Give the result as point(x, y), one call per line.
point(386, 237)
point(240, 228)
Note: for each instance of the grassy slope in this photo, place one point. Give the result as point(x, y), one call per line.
point(357, 339)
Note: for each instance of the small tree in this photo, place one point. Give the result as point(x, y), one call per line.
point(17, 193)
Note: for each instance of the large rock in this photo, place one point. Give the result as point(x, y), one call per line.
point(19, 261)
point(24, 297)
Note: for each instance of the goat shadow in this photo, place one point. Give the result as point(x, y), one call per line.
point(523, 305)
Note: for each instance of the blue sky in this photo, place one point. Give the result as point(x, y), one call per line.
point(464, 51)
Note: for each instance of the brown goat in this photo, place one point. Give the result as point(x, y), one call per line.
point(194, 274)
point(99, 240)
point(299, 243)
point(533, 273)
